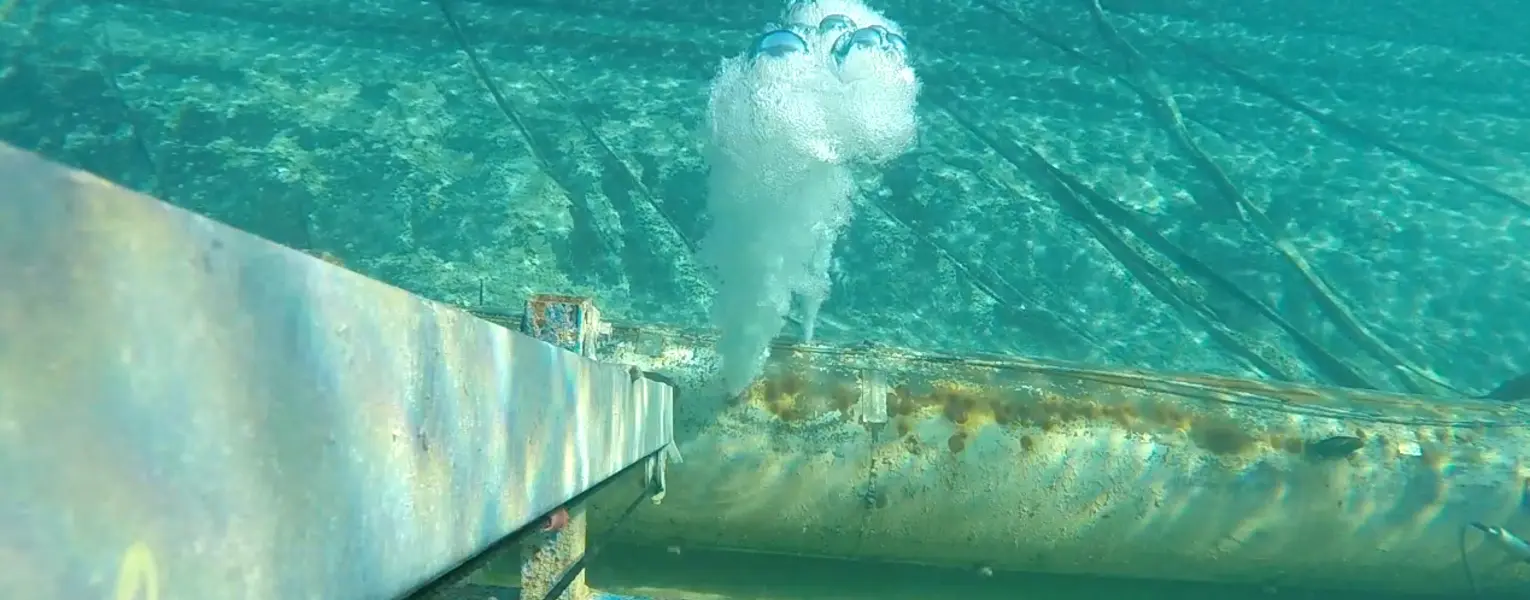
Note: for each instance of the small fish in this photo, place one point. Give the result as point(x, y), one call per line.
point(1339, 446)
point(1513, 390)
point(1510, 543)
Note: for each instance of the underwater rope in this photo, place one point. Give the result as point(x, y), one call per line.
point(1156, 96)
point(1512, 545)
point(1328, 300)
point(1027, 305)
point(1466, 565)
point(1335, 369)
point(611, 155)
point(481, 72)
point(579, 202)
point(1352, 130)
point(1152, 275)
point(1161, 283)
point(1338, 371)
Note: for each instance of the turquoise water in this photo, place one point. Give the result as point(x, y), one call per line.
point(1299, 192)
point(369, 137)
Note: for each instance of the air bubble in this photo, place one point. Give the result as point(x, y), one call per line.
point(870, 37)
point(833, 26)
point(778, 43)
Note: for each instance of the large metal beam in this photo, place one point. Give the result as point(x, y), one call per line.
point(188, 411)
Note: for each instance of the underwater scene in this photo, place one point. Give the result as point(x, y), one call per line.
point(988, 299)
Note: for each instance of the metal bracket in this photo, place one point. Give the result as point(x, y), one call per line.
point(873, 401)
point(654, 476)
point(656, 471)
point(570, 322)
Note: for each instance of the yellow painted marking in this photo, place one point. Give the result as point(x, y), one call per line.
point(137, 577)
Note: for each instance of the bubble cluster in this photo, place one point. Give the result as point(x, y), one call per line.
point(825, 90)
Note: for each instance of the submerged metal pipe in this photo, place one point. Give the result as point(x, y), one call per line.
point(1040, 466)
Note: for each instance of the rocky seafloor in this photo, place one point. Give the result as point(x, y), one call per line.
point(1282, 190)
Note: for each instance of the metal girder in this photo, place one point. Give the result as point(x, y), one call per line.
point(189, 411)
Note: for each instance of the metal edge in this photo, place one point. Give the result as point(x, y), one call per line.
point(189, 411)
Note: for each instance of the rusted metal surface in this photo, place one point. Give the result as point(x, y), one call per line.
point(187, 411)
point(570, 322)
point(1041, 466)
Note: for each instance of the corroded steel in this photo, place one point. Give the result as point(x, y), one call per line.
point(1009, 463)
point(188, 411)
point(570, 322)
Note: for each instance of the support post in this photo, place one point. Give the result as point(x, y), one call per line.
point(550, 554)
point(574, 324)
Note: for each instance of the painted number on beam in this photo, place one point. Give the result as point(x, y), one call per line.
point(138, 577)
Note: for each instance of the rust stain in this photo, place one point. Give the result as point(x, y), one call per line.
point(1025, 397)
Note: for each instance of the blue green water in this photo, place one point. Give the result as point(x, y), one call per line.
point(366, 134)
point(1307, 192)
